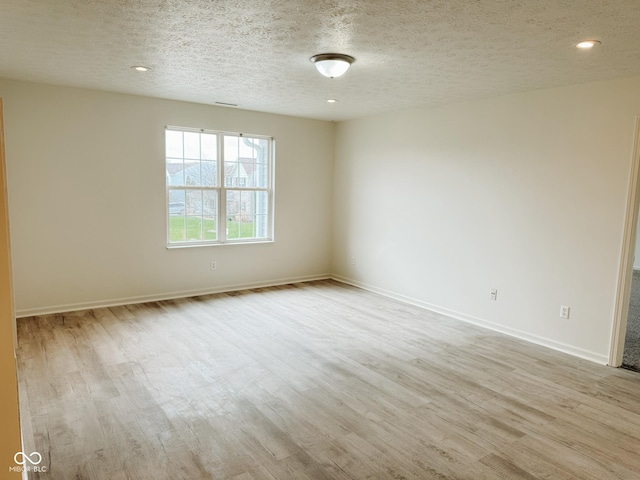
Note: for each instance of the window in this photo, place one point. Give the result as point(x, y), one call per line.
point(219, 187)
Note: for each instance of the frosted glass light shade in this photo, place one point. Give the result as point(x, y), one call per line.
point(587, 44)
point(332, 64)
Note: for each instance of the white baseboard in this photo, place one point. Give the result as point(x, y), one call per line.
point(48, 310)
point(569, 349)
point(545, 342)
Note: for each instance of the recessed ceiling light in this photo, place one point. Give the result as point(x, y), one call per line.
point(140, 68)
point(587, 44)
point(332, 100)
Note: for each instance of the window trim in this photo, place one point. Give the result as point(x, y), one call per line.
point(222, 189)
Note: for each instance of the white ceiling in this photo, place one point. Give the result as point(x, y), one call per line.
point(255, 53)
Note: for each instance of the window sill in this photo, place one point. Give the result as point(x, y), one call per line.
point(218, 244)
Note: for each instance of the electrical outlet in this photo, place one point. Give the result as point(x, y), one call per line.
point(493, 294)
point(353, 260)
point(564, 311)
point(213, 265)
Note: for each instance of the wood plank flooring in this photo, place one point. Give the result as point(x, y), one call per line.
point(315, 380)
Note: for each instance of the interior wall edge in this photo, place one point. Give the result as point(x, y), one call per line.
point(538, 340)
point(72, 307)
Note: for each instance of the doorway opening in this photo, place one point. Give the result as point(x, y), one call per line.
point(625, 336)
point(631, 350)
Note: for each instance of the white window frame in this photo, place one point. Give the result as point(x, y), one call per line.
point(221, 188)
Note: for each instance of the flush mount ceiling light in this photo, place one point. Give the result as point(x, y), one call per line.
point(332, 64)
point(587, 44)
point(140, 68)
point(332, 100)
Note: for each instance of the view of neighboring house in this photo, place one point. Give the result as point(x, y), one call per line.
point(203, 173)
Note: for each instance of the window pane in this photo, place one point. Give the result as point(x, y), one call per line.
point(175, 172)
point(254, 148)
point(232, 171)
point(210, 203)
point(177, 215)
point(233, 214)
point(210, 214)
point(262, 226)
point(194, 228)
point(233, 202)
point(261, 210)
point(210, 229)
point(208, 175)
point(261, 147)
point(246, 161)
point(231, 146)
point(208, 144)
point(194, 202)
point(173, 143)
point(176, 202)
point(194, 215)
point(192, 145)
point(247, 214)
point(191, 172)
point(260, 177)
point(176, 228)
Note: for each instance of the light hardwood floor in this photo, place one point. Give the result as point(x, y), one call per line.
point(313, 381)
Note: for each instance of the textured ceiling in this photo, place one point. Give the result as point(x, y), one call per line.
point(256, 53)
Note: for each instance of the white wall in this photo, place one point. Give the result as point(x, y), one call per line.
point(524, 193)
point(86, 187)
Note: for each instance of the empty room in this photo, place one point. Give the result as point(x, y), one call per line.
point(270, 239)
